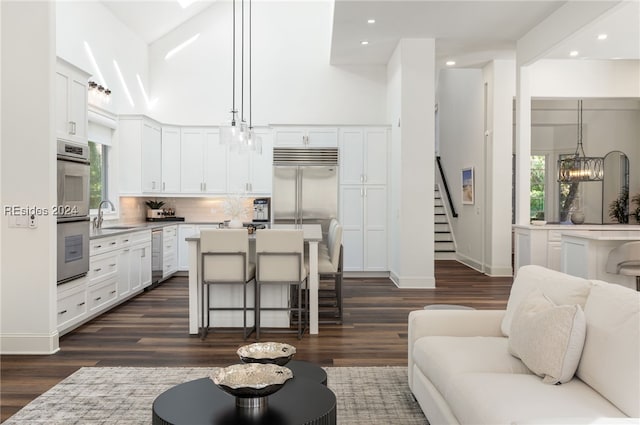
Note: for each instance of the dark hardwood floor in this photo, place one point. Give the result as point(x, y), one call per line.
point(152, 330)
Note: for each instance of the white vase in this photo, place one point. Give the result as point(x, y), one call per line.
point(235, 224)
point(577, 217)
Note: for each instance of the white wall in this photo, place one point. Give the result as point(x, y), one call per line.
point(460, 95)
point(293, 82)
point(413, 165)
point(585, 78)
point(499, 79)
point(28, 168)
point(394, 110)
point(109, 40)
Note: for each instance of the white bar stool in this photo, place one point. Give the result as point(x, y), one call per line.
point(625, 260)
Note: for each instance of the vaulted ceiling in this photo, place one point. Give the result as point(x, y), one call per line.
point(469, 32)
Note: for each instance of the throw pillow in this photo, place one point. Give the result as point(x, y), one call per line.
point(548, 338)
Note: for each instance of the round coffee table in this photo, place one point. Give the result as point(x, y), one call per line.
point(300, 401)
point(307, 370)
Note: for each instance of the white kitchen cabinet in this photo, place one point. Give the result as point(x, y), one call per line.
point(124, 278)
point(250, 172)
point(203, 161)
point(363, 215)
point(71, 102)
point(363, 198)
point(184, 231)
point(72, 303)
point(305, 137)
point(140, 266)
point(151, 158)
point(169, 250)
point(364, 155)
point(102, 295)
point(170, 163)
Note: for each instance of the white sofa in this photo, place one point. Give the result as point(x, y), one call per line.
point(461, 370)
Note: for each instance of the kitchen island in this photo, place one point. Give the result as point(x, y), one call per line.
point(543, 245)
point(230, 295)
point(585, 253)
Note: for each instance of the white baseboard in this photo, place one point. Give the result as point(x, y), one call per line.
point(29, 343)
point(414, 282)
point(365, 274)
point(486, 269)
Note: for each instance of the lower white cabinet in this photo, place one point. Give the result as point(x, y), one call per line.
point(169, 250)
point(363, 215)
point(72, 303)
point(119, 266)
point(184, 231)
point(102, 295)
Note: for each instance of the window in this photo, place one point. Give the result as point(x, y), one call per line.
point(537, 191)
point(98, 186)
point(568, 195)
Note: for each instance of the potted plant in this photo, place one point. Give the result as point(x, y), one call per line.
point(619, 208)
point(155, 208)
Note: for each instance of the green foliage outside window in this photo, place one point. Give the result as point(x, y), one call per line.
point(96, 175)
point(536, 206)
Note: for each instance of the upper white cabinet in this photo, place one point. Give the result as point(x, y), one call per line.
point(203, 161)
point(251, 172)
point(170, 167)
point(305, 136)
point(151, 157)
point(71, 101)
point(363, 156)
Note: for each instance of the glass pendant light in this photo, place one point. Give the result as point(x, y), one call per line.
point(579, 167)
point(229, 130)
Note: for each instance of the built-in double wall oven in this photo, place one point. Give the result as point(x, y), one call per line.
point(73, 210)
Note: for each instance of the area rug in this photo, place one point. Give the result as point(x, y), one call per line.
point(124, 395)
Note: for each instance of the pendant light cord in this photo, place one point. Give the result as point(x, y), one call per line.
point(579, 147)
point(242, 62)
point(233, 76)
point(250, 88)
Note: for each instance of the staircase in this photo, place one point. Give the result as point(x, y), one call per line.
point(444, 244)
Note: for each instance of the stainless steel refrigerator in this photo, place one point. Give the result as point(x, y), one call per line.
point(305, 185)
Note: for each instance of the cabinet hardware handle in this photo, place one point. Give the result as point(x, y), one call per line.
point(112, 265)
point(361, 178)
point(126, 250)
point(153, 185)
point(361, 192)
point(112, 243)
point(97, 270)
point(81, 304)
point(164, 185)
point(126, 240)
point(98, 299)
point(113, 292)
point(365, 178)
point(98, 246)
point(62, 312)
point(205, 186)
point(365, 192)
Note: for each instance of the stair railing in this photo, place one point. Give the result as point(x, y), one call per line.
point(446, 188)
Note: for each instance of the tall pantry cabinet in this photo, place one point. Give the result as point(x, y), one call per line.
point(363, 203)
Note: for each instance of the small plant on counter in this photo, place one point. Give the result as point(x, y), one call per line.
point(154, 205)
point(619, 208)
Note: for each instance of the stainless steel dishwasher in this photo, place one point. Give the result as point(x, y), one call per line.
point(156, 256)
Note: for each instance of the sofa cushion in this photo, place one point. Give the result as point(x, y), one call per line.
point(548, 338)
point(610, 360)
point(559, 287)
point(503, 398)
point(440, 358)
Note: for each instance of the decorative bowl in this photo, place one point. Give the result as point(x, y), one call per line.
point(249, 380)
point(267, 352)
point(538, 222)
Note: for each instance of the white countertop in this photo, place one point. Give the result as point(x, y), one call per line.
point(612, 235)
point(579, 227)
point(312, 232)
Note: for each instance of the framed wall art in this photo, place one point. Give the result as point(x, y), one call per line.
point(468, 193)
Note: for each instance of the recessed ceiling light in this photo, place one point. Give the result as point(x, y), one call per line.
point(371, 21)
point(602, 36)
point(364, 42)
point(450, 63)
point(573, 53)
point(186, 3)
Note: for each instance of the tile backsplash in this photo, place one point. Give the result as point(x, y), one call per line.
point(210, 209)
